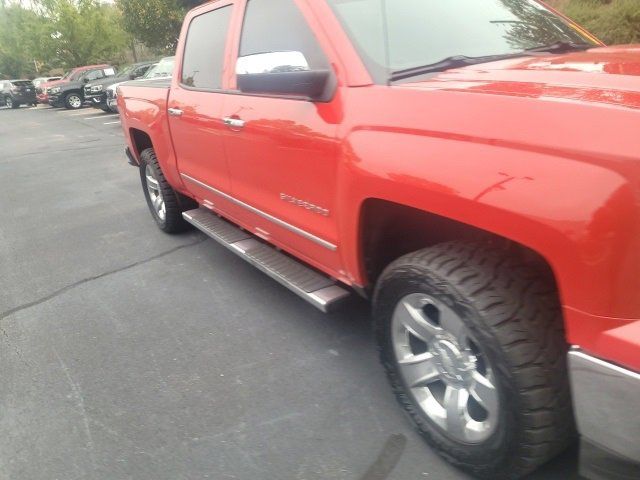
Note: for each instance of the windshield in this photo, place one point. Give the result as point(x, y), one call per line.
point(163, 69)
point(394, 35)
point(73, 76)
point(125, 71)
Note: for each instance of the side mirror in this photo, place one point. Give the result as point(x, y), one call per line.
point(132, 76)
point(283, 73)
point(85, 79)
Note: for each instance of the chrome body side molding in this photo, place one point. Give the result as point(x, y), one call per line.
point(271, 218)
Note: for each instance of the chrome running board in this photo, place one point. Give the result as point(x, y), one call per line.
point(317, 289)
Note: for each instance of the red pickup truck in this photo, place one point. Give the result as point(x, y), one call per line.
point(472, 167)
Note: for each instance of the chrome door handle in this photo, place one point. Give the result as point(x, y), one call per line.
point(175, 112)
point(233, 122)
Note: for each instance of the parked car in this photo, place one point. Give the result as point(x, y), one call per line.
point(14, 93)
point(95, 92)
point(164, 68)
point(70, 93)
point(40, 80)
point(71, 76)
point(472, 167)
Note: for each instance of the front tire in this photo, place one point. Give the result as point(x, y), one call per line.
point(166, 205)
point(11, 104)
point(473, 344)
point(72, 101)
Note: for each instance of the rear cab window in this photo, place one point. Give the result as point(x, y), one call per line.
point(204, 51)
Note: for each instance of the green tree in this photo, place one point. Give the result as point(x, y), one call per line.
point(59, 33)
point(82, 32)
point(156, 23)
point(22, 33)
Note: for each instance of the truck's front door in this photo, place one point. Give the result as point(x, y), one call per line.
point(282, 151)
point(195, 104)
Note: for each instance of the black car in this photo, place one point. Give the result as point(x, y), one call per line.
point(71, 95)
point(95, 92)
point(14, 93)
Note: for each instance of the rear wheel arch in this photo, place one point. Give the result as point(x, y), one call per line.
point(140, 141)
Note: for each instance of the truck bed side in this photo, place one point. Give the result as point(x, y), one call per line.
point(143, 111)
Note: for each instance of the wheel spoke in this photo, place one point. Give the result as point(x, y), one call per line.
point(414, 320)
point(485, 393)
point(455, 402)
point(152, 182)
point(157, 203)
point(419, 370)
point(452, 323)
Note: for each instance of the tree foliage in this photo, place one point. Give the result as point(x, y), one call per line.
point(58, 34)
point(156, 23)
point(83, 32)
point(22, 32)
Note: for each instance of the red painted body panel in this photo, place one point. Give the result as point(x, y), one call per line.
point(542, 150)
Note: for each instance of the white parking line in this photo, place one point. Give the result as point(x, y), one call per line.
point(103, 116)
point(73, 113)
point(111, 123)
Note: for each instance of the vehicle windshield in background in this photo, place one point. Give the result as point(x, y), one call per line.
point(400, 35)
point(163, 69)
point(76, 76)
point(125, 71)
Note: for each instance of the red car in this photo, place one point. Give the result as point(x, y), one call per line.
point(71, 76)
point(471, 167)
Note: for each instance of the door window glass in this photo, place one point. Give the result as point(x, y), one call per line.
point(94, 75)
point(278, 26)
point(203, 62)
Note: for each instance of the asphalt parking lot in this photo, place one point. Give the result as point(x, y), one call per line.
point(126, 353)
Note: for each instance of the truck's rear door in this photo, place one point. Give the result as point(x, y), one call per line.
point(195, 102)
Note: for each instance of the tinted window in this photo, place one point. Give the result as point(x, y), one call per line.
point(141, 70)
point(94, 75)
point(76, 75)
point(278, 26)
point(204, 51)
point(402, 34)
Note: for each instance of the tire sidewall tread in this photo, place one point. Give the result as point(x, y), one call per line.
point(514, 315)
point(175, 203)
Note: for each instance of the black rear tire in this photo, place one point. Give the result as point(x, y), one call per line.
point(174, 202)
point(513, 313)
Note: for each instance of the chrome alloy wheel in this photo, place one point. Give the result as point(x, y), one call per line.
point(153, 187)
point(75, 101)
point(449, 377)
point(8, 102)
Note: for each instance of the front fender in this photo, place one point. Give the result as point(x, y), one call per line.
point(582, 217)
